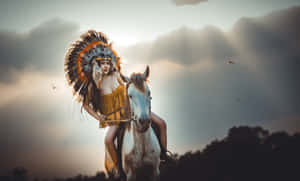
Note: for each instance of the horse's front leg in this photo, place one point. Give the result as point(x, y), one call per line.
point(155, 174)
point(128, 171)
point(130, 175)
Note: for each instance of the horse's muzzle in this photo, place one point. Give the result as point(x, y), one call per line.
point(144, 124)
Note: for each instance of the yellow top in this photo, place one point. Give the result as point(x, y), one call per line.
point(112, 102)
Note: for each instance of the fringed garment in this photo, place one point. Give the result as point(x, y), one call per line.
point(113, 105)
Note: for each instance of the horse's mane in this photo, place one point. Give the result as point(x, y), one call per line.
point(138, 80)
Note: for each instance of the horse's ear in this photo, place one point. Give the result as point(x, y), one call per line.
point(146, 73)
point(124, 78)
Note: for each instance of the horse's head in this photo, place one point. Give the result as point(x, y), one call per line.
point(139, 99)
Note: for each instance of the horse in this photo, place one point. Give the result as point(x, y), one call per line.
point(140, 151)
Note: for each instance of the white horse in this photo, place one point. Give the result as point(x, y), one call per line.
point(141, 149)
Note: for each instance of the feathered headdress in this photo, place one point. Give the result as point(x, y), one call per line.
point(78, 60)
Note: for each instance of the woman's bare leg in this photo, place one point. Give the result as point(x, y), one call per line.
point(109, 142)
point(162, 128)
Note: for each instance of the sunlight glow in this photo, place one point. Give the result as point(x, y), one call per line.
point(117, 38)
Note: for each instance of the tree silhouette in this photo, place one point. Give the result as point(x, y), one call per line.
point(19, 174)
point(246, 153)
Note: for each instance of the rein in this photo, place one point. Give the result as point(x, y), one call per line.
point(128, 112)
point(127, 106)
point(115, 111)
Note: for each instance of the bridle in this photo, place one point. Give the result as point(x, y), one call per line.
point(129, 113)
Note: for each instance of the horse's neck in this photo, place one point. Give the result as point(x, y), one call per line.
point(140, 138)
point(137, 140)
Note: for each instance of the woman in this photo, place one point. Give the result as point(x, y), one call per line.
point(100, 87)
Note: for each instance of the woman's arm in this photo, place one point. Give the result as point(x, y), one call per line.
point(93, 113)
point(119, 78)
point(88, 108)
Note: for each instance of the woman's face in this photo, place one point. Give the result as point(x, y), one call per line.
point(105, 66)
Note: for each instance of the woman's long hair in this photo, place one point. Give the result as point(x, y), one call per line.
point(93, 95)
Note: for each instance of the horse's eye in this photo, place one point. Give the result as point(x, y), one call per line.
point(130, 96)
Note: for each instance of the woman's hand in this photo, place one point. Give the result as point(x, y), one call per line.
point(97, 115)
point(97, 73)
point(102, 117)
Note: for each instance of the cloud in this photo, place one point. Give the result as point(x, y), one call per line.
point(188, 2)
point(206, 96)
point(34, 123)
point(184, 46)
point(42, 48)
point(41, 128)
point(193, 88)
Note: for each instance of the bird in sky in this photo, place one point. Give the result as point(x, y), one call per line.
point(53, 86)
point(230, 62)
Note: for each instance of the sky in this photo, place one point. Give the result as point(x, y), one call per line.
point(186, 43)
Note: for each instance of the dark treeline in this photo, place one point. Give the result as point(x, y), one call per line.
point(246, 153)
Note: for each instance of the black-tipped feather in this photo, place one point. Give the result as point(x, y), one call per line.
point(77, 85)
point(80, 87)
point(83, 91)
